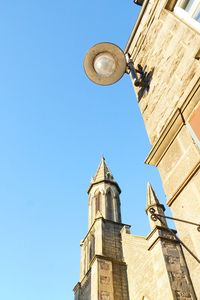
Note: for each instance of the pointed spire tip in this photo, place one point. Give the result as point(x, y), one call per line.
point(151, 196)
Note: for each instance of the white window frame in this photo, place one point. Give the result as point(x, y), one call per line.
point(193, 135)
point(187, 16)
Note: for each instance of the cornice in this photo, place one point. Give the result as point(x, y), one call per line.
point(184, 183)
point(174, 125)
point(166, 138)
point(105, 221)
point(104, 181)
point(165, 235)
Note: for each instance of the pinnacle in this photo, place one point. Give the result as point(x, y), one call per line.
point(151, 196)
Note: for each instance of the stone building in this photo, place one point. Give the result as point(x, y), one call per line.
point(116, 265)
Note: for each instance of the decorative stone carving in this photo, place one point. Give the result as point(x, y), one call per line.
point(180, 285)
point(170, 249)
point(182, 295)
point(105, 296)
point(104, 266)
point(174, 262)
point(168, 236)
point(172, 259)
point(104, 279)
point(179, 280)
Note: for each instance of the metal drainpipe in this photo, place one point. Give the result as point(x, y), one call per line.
point(144, 6)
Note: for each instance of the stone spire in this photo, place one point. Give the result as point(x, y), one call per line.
point(104, 195)
point(103, 174)
point(153, 202)
point(152, 199)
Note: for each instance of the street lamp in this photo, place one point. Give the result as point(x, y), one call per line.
point(106, 63)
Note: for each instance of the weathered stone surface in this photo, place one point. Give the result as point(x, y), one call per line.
point(169, 48)
point(178, 162)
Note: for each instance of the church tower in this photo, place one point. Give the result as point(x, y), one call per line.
point(104, 195)
point(103, 272)
point(117, 265)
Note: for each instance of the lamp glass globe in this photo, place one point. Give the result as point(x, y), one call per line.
point(104, 64)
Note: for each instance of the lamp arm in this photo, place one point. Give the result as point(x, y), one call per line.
point(130, 69)
point(175, 236)
point(152, 211)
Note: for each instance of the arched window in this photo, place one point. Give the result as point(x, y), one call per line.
point(85, 260)
point(118, 208)
point(98, 202)
point(92, 247)
point(109, 205)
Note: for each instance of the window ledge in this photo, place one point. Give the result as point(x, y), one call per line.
point(186, 18)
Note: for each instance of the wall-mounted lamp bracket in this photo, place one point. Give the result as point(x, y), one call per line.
point(155, 216)
point(138, 74)
point(105, 63)
point(138, 2)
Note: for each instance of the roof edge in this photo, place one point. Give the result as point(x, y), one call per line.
point(143, 9)
point(106, 181)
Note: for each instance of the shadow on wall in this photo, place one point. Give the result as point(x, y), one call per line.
point(144, 81)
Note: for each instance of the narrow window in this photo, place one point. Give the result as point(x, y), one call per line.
point(98, 202)
point(109, 206)
point(118, 209)
point(85, 260)
point(92, 247)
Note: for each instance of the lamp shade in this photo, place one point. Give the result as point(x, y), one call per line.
point(105, 63)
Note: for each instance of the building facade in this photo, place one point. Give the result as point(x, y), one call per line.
point(116, 265)
point(166, 44)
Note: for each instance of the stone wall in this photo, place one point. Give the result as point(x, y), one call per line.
point(141, 276)
point(156, 267)
point(187, 207)
point(120, 282)
point(105, 280)
point(112, 240)
point(182, 156)
point(83, 290)
point(166, 49)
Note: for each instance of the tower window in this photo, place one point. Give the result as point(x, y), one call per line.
point(189, 11)
point(98, 202)
point(92, 248)
point(109, 206)
point(118, 209)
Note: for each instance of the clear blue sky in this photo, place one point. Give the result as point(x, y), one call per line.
point(54, 126)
